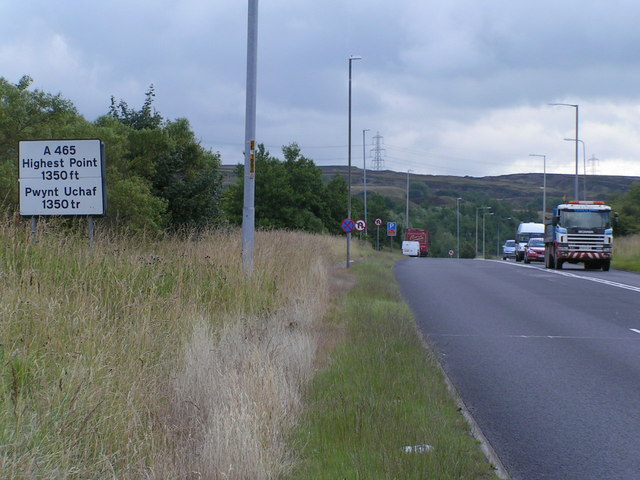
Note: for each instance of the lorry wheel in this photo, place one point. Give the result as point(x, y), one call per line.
point(606, 264)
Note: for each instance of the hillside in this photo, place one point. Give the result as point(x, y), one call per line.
point(442, 190)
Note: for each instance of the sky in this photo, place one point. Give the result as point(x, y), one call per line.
point(449, 87)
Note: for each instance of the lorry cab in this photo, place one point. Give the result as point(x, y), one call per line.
point(580, 232)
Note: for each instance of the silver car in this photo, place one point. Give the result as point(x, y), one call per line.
point(509, 249)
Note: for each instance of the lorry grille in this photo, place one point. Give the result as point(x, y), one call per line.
point(585, 239)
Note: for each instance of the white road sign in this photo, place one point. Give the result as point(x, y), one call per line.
point(62, 177)
point(361, 225)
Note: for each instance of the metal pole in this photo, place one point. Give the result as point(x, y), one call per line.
point(248, 211)
point(483, 230)
point(349, 170)
point(576, 195)
point(544, 183)
point(364, 165)
point(91, 232)
point(477, 209)
point(406, 217)
point(584, 177)
point(476, 251)
point(584, 160)
point(484, 214)
point(576, 140)
point(544, 188)
point(458, 224)
point(34, 229)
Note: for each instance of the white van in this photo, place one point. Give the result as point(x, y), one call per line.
point(411, 248)
point(524, 233)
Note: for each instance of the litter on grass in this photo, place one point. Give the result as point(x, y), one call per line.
point(417, 448)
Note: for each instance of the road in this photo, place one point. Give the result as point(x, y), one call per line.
point(547, 362)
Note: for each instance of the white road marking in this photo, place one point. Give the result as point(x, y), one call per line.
point(534, 337)
point(572, 275)
point(634, 330)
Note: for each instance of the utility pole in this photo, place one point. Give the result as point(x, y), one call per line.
point(378, 152)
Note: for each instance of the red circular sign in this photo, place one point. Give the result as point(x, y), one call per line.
point(361, 225)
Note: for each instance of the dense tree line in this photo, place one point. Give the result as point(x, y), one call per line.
point(159, 178)
point(290, 194)
point(628, 208)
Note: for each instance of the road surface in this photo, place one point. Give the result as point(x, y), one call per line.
point(547, 362)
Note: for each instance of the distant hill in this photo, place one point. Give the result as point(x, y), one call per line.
point(442, 190)
point(518, 189)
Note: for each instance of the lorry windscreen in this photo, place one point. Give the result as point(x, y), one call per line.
point(584, 219)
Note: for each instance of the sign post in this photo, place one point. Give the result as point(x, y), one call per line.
point(392, 228)
point(378, 222)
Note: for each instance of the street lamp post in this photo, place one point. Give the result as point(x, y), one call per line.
point(498, 241)
point(406, 218)
point(576, 140)
point(248, 207)
point(584, 160)
point(477, 209)
point(364, 166)
point(351, 58)
point(544, 183)
point(484, 214)
point(458, 224)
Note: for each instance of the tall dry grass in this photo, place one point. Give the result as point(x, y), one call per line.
point(154, 359)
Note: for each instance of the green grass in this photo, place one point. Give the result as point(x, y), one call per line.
point(626, 254)
point(380, 392)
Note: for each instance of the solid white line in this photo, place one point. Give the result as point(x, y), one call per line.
point(572, 275)
point(634, 330)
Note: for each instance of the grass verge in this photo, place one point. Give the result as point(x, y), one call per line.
point(155, 359)
point(627, 253)
point(380, 392)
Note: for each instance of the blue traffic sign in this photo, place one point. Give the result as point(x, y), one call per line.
point(348, 225)
point(391, 229)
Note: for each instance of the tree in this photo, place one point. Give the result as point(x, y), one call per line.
point(146, 117)
point(289, 193)
point(188, 178)
point(28, 115)
point(167, 155)
point(335, 198)
point(628, 207)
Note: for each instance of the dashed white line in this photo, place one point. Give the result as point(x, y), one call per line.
point(634, 330)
